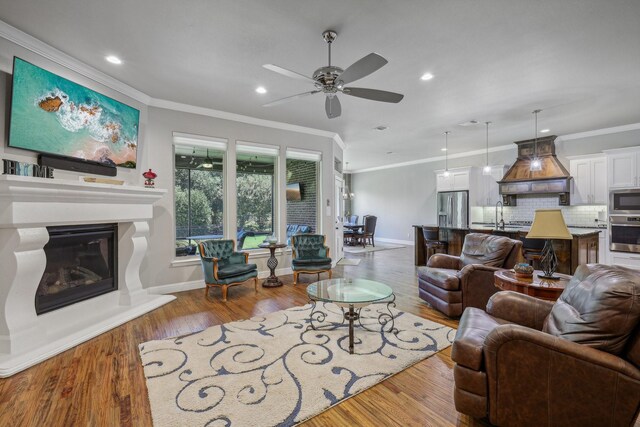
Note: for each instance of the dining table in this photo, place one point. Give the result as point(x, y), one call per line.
point(354, 228)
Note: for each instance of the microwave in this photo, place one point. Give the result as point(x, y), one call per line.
point(624, 202)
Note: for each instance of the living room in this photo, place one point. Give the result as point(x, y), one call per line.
point(156, 152)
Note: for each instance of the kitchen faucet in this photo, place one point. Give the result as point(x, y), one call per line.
point(499, 225)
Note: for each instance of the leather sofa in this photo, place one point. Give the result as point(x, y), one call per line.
point(575, 362)
point(450, 283)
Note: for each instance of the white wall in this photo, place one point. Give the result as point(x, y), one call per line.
point(156, 151)
point(403, 196)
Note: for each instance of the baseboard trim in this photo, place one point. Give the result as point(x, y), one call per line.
point(396, 241)
point(199, 284)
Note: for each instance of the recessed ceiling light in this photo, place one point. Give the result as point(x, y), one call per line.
point(261, 90)
point(443, 149)
point(426, 76)
point(113, 59)
point(381, 128)
point(544, 130)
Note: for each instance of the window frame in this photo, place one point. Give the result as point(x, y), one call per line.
point(221, 145)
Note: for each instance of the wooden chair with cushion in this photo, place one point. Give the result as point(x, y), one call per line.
point(368, 231)
point(224, 267)
point(309, 255)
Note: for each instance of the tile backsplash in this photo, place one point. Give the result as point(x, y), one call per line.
point(527, 205)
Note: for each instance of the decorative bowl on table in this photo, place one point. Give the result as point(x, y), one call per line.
point(272, 240)
point(523, 270)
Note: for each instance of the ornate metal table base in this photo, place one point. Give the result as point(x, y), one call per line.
point(386, 321)
point(272, 281)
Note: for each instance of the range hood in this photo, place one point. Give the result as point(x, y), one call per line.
point(553, 178)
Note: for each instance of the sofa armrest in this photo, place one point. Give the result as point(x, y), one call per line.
point(449, 262)
point(554, 375)
point(477, 284)
point(518, 308)
point(540, 349)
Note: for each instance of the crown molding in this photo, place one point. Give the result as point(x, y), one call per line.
point(210, 112)
point(598, 132)
point(41, 48)
point(339, 141)
point(436, 159)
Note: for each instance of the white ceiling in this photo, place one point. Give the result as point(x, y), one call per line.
point(497, 60)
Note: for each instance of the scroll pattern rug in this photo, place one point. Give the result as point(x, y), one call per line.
point(272, 371)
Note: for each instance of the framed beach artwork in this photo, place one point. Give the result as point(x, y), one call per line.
point(50, 114)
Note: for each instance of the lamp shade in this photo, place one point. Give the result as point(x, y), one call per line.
point(549, 224)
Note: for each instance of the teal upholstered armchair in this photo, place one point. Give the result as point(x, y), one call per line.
point(310, 255)
point(224, 267)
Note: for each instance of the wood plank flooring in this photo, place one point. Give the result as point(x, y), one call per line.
point(101, 382)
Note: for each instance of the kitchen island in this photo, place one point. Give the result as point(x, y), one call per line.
point(582, 249)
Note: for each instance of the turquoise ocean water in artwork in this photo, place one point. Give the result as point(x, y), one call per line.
point(54, 115)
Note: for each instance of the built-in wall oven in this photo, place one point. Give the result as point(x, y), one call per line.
point(624, 220)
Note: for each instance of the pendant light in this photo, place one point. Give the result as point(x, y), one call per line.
point(536, 164)
point(446, 153)
point(208, 163)
point(487, 169)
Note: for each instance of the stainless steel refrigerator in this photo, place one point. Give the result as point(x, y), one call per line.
point(453, 209)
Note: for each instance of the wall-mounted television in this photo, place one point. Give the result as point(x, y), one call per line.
point(50, 114)
point(294, 192)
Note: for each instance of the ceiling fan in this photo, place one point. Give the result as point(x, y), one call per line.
point(331, 80)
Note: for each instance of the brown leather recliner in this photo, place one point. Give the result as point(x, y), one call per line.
point(529, 362)
point(450, 283)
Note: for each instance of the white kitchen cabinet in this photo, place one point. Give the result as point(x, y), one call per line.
point(625, 259)
point(457, 180)
point(484, 189)
point(589, 182)
point(623, 167)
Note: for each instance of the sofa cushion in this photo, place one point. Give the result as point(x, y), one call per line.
point(468, 345)
point(600, 308)
point(440, 277)
point(232, 270)
point(485, 249)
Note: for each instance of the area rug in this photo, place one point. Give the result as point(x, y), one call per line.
point(378, 247)
point(272, 371)
point(349, 261)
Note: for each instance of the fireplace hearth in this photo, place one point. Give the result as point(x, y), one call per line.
point(81, 264)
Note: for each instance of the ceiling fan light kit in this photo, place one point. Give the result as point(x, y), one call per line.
point(331, 80)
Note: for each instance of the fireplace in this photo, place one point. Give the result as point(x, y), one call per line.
point(81, 264)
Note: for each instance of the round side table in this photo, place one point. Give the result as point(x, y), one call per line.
point(534, 286)
point(272, 281)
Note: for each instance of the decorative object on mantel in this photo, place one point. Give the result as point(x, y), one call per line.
point(12, 167)
point(549, 224)
point(149, 177)
point(522, 269)
point(271, 370)
point(103, 180)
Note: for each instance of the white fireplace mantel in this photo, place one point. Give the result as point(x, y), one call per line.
point(27, 206)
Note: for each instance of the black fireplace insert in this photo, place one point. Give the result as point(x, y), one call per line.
point(82, 263)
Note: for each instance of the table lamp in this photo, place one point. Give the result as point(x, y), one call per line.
point(549, 224)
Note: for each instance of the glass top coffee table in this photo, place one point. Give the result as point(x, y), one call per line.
point(352, 294)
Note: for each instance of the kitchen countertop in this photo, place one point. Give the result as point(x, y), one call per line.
point(574, 230)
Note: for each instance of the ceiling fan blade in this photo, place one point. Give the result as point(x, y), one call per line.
point(363, 67)
point(332, 107)
point(288, 73)
point(373, 94)
point(290, 98)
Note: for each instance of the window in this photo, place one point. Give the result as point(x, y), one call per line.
point(303, 169)
point(256, 194)
point(198, 192)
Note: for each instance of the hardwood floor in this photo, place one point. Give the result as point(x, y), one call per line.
point(101, 382)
